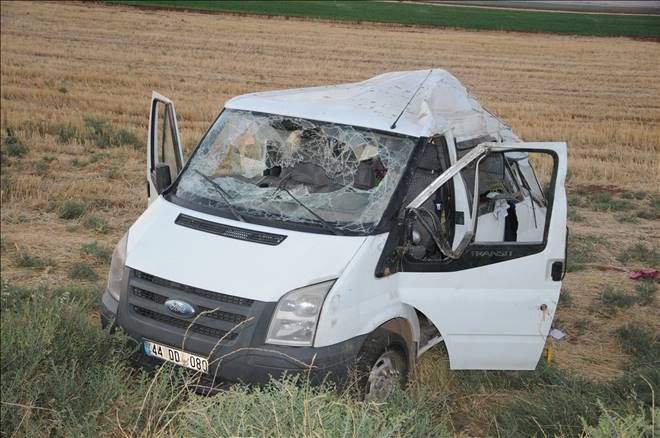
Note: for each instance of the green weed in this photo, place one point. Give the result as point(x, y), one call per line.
point(104, 135)
point(82, 271)
point(98, 202)
point(639, 195)
point(96, 156)
point(24, 260)
point(73, 379)
point(70, 210)
point(75, 162)
point(98, 132)
point(581, 326)
point(641, 344)
point(96, 223)
point(627, 218)
point(97, 251)
point(59, 369)
point(583, 249)
point(67, 132)
point(448, 16)
point(646, 290)
point(644, 295)
point(639, 252)
point(649, 215)
point(556, 402)
point(559, 403)
point(122, 136)
point(599, 201)
point(568, 405)
point(652, 212)
point(611, 424)
point(287, 408)
point(14, 147)
point(548, 402)
point(40, 167)
point(575, 216)
point(607, 202)
point(616, 298)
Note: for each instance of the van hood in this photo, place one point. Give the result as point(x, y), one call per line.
point(259, 271)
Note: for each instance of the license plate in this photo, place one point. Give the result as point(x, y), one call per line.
point(179, 357)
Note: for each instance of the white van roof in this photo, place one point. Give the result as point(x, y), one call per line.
point(434, 101)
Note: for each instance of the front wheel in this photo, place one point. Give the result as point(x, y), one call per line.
point(388, 373)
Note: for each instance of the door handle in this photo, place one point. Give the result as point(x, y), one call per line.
point(557, 271)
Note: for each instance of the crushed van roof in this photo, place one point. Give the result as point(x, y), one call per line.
point(434, 101)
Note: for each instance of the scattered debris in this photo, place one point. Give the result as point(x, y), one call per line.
point(644, 273)
point(557, 334)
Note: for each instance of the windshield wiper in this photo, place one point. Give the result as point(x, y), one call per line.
point(324, 223)
point(223, 194)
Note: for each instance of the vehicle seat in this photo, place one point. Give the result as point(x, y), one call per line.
point(430, 165)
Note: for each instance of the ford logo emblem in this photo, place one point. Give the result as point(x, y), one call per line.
point(180, 308)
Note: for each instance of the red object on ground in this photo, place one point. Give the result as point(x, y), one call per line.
point(644, 273)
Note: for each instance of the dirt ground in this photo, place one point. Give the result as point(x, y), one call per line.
point(62, 63)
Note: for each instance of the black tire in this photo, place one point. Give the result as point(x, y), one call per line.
point(376, 379)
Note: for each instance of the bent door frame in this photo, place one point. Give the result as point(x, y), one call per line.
point(170, 112)
point(495, 313)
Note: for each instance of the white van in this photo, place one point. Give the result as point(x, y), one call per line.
point(344, 228)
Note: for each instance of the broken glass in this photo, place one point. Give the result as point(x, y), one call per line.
point(344, 174)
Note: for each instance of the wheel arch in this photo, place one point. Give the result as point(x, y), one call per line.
point(398, 332)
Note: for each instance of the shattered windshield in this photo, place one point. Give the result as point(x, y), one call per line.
point(337, 177)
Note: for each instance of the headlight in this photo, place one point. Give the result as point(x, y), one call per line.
point(296, 315)
point(117, 267)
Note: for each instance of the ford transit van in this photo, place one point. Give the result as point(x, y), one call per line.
point(342, 229)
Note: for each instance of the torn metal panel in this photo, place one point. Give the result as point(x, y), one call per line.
point(432, 102)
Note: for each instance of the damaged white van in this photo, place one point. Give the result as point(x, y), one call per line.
point(344, 228)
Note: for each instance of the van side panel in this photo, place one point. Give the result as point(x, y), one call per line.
point(359, 302)
point(494, 323)
point(497, 316)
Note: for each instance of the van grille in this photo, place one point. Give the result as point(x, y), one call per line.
point(215, 296)
point(216, 314)
point(183, 324)
point(207, 311)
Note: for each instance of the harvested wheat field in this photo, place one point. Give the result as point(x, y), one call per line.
point(76, 80)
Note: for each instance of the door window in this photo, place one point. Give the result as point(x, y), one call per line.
point(165, 139)
point(509, 210)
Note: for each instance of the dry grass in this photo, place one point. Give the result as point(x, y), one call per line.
point(593, 92)
point(61, 63)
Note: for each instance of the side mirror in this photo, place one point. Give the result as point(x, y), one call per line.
point(161, 177)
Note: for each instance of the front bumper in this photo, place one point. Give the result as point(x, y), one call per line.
point(247, 358)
